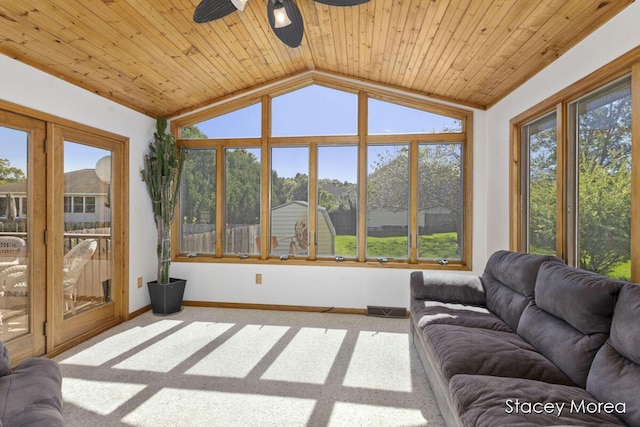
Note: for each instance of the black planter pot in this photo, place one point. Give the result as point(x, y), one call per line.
point(166, 299)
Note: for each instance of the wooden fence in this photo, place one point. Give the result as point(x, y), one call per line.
point(240, 239)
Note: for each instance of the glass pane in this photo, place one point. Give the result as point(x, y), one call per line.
point(242, 201)
point(337, 218)
point(387, 201)
point(243, 123)
point(14, 277)
point(440, 201)
point(289, 201)
point(541, 145)
point(385, 117)
point(315, 110)
point(604, 180)
point(87, 269)
point(198, 201)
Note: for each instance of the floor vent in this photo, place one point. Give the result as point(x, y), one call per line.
point(393, 312)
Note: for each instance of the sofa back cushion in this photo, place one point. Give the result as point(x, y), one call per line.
point(615, 372)
point(570, 318)
point(509, 280)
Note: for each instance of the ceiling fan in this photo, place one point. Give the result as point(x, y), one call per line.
point(283, 15)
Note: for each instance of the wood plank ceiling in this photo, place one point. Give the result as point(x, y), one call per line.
point(152, 57)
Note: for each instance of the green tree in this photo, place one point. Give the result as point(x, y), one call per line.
point(9, 173)
point(604, 180)
point(242, 187)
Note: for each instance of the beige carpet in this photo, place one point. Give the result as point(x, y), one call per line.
point(231, 367)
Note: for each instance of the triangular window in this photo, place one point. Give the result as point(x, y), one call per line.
point(388, 118)
point(314, 111)
point(242, 123)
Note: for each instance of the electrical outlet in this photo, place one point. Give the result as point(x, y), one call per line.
point(258, 278)
point(140, 281)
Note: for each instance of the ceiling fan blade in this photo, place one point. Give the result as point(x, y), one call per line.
point(291, 35)
point(210, 10)
point(342, 2)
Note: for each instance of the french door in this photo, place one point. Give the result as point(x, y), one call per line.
point(22, 235)
point(61, 192)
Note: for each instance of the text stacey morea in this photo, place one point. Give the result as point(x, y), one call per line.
point(515, 406)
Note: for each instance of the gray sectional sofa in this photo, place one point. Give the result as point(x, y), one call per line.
point(30, 393)
point(532, 342)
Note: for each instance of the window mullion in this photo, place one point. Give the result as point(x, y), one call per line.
point(265, 161)
point(313, 200)
point(413, 202)
point(362, 175)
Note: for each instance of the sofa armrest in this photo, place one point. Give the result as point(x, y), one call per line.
point(447, 287)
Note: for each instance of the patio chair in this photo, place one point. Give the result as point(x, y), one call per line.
point(11, 250)
point(13, 283)
point(74, 263)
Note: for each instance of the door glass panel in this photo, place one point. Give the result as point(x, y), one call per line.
point(87, 269)
point(14, 263)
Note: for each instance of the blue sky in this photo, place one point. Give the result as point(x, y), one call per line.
point(76, 156)
point(312, 110)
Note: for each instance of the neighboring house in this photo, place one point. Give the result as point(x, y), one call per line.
point(385, 222)
point(85, 197)
point(286, 218)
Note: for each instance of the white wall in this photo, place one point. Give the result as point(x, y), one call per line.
point(612, 40)
point(29, 87)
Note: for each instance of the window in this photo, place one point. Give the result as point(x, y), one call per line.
point(242, 201)
point(337, 218)
point(540, 195)
point(198, 201)
point(315, 110)
point(226, 125)
point(600, 153)
point(334, 176)
point(440, 201)
point(387, 201)
point(289, 201)
point(590, 165)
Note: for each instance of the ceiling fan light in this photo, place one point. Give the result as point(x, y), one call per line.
point(239, 4)
point(280, 16)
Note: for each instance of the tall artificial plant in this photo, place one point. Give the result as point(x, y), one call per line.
point(162, 172)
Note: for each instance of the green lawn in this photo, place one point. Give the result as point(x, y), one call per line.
point(435, 246)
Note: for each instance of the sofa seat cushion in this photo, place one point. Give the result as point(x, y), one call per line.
point(425, 313)
point(615, 372)
point(31, 395)
point(494, 401)
point(462, 350)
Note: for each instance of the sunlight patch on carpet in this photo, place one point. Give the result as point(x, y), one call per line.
point(174, 407)
point(351, 414)
point(114, 346)
point(104, 398)
point(252, 342)
point(390, 369)
point(309, 356)
point(169, 352)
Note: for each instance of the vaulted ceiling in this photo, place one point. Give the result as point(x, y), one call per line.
point(151, 56)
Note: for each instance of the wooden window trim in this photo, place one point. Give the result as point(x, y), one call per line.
point(266, 142)
point(627, 64)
